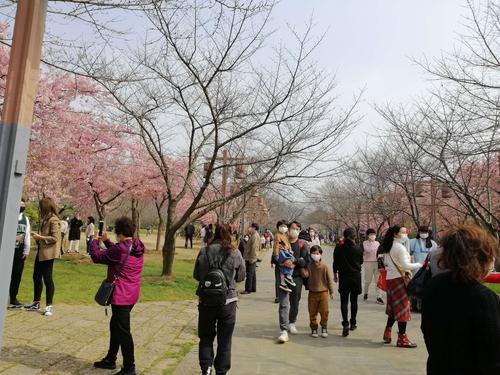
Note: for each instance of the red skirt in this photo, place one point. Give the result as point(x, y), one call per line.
point(398, 303)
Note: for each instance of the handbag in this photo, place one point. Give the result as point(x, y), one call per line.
point(404, 274)
point(419, 282)
point(105, 291)
point(382, 279)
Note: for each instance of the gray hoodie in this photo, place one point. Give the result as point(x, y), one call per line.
point(233, 267)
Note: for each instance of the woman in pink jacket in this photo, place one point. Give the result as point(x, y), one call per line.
point(128, 252)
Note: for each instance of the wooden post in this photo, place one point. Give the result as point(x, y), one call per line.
point(15, 128)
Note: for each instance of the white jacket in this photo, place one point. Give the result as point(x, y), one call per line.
point(402, 258)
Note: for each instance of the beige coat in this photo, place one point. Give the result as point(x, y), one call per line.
point(252, 247)
point(50, 247)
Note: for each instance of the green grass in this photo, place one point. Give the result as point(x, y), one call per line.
point(493, 287)
point(77, 279)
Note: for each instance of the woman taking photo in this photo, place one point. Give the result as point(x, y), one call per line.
point(460, 316)
point(48, 248)
point(218, 319)
point(397, 263)
point(126, 255)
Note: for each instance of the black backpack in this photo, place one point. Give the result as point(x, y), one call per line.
point(213, 288)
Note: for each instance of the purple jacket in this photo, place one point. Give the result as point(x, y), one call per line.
point(128, 285)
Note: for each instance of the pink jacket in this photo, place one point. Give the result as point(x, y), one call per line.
point(128, 285)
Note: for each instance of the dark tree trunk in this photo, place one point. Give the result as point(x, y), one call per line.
point(168, 250)
point(136, 217)
point(158, 235)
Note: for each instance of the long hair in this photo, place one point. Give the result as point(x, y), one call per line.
point(389, 238)
point(208, 234)
point(47, 207)
point(468, 252)
point(428, 240)
point(222, 235)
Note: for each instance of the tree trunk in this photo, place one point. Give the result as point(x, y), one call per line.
point(136, 217)
point(158, 235)
point(168, 253)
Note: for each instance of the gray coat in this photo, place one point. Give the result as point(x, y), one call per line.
point(233, 268)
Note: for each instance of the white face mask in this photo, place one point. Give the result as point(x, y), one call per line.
point(294, 233)
point(283, 229)
point(316, 257)
point(372, 237)
point(311, 234)
point(404, 237)
point(424, 235)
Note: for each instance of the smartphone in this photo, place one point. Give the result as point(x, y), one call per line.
point(101, 227)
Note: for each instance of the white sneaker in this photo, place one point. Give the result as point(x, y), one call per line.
point(49, 311)
point(283, 337)
point(324, 332)
point(293, 329)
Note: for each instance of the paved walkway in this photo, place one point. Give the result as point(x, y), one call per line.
point(362, 353)
point(71, 340)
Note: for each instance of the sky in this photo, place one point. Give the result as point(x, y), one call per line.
point(369, 45)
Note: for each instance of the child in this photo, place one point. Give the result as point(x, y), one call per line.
point(320, 288)
point(282, 251)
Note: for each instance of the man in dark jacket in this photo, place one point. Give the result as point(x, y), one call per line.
point(189, 233)
point(347, 261)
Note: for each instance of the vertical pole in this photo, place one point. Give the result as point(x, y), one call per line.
point(15, 128)
point(224, 184)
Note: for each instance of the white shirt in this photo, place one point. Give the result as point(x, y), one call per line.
point(27, 236)
point(402, 258)
point(90, 230)
point(64, 226)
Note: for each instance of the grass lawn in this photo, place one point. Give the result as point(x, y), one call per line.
point(493, 287)
point(77, 279)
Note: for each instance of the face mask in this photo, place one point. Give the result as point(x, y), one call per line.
point(316, 257)
point(311, 234)
point(283, 230)
point(404, 237)
point(372, 237)
point(245, 238)
point(294, 233)
point(21, 209)
point(424, 235)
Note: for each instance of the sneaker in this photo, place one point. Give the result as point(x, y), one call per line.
point(353, 326)
point(126, 371)
point(365, 297)
point(293, 329)
point(380, 301)
point(324, 332)
point(34, 306)
point(285, 288)
point(290, 281)
point(276, 300)
point(345, 329)
point(314, 333)
point(15, 305)
point(283, 337)
point(49, 311)
point(206, 372)
point(105, 364)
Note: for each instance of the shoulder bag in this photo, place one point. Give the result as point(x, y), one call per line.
point(105, 291)
point(419, 282)
point(404, 274)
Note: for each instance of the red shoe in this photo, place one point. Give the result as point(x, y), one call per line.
point(387, 335)
point(404, 342)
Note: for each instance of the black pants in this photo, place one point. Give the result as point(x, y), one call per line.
point(120, 335)
point(251, 279)
point(43, 270)
point(277, 280)
point(216, 321)
point(189, 238)
point(88, 242)
point(295, 298)
point(17, 274)
point(344, 301)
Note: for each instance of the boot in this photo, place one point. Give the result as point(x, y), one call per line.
point(404, 342)
point(387, 335)
point(345, 329)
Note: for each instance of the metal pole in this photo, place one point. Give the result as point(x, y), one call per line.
point(15, 128)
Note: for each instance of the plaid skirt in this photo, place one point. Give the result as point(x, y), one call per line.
point(398, 303)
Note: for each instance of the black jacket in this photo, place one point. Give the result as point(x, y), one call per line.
point(347, 261)
point(461, 327)
point(300, 250)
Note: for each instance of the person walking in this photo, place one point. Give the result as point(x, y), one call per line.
point(48, 248)
point(289, 302)
point(320, 292)
point(370, 264)
point(252, 247)
point(125, 261)
point(398, 266)
point(461, 316)
point(89, 232)
point(64, 235)
point(280, 240)
point(188, 234)
point(21, 252)
point(218, 319)
point(74, 234)
point(347, 261)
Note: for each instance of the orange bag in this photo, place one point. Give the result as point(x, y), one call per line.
point(382, 281)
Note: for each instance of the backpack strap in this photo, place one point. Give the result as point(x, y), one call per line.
point(117, 274)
